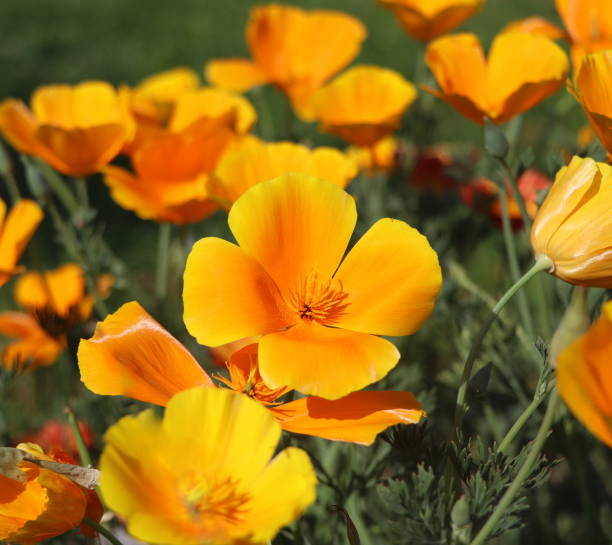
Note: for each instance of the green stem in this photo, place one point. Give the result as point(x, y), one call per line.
point(82, 193)
point(542, 263)
point(163, 251)
point(58, 186)
point(518, 196)
point(78, 438)
point(266, 123)
point(101, 530)
point(522, 475)
point(11, 185)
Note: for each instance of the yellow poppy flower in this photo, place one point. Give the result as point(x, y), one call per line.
point(294, 49)
point(381, 157)
point(256, 161)
point(318, 317)
point(363, 104)
point(584, 377)
point(75, 129)
point(176, 487)
point(573, 226)
point(426, 20)
point(522, 70)
point(131, 354)
point(16, 229)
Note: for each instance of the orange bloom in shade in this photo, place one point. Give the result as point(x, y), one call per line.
point(294, 49)
point(58, 435)
point(522, 70)
point(589, 25)
point(574, 226)
point(583, 377)
point(381, 157)
point(130, 354)
point(75, 129)
point(318, 318)
point(37, 503)
point(426, 20)
point(431, 170)
point(256, 161)
point(592, 90)
point(181, 488)
point(536, 25)
point(16, 229)
point(55, 302)
point(364, 104)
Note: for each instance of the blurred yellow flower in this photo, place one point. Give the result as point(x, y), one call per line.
point(16, 229)
point(573, 226)
point(381, 157)
point(584, 377)
point(428, 19)
point(363, 104)
point(178, 487)
point(294, 49)
point(522, 69)
point(75, 129)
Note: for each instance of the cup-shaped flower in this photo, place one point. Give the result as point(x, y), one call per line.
point(592, 89)
point(522, 69)
point(177, 487)
point(584, 377)
point(318, 318)
point(573, 227)
point(37, 503)
point(426, 20)
point(131, 354)
point(16, 229)
point(363, 104)
point(75, 129)
point(255, 161)
point(294, 49)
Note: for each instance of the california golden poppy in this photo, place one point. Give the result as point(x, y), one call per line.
point(294, 49)
point(319, 319)
point(592, 89)
point(381, 157)
point(573, 227)
point(363, 104)
point(16, 229)
point(75, 129)
point(176, 487)
point(131, 354)
point(256, 161)
point(38, 503)
point(583, 377)
point(536, 25)
point(432, 18)
point(522, 69)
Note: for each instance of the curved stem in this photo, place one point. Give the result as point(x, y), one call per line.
point(101, 530)
point(523, 473)
point(58, 186)
point(518, 196)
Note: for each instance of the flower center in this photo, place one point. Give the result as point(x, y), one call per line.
point(319, 301)
point(220, 500)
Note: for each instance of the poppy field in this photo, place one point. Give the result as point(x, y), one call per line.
point(316, 272)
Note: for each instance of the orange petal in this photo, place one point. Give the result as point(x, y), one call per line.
point(323, 361)
point(391, 253)
point(132, 355)
point(536, 25)
point(228, 296)
point(19, 126)
point(285, 224)
point(358, 417)
point(237, 75)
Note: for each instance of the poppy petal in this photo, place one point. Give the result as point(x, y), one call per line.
point(237, 75)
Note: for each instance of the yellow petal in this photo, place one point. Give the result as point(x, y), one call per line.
point(238, 75)
point(165, 87)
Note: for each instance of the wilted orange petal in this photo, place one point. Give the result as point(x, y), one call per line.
point(323, 361)
point(131, 354)
point(357, 418)
point(237, 75)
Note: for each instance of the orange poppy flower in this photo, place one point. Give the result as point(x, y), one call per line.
point(75, 129)
point(255, 161)
point(589, 25)
point(16, 229)
point(37, 503)
point(318, 318)
point(130, 354)
point(294, 49)
point(592, 90)
point(574, 227)
point(364, 104)
point(58, 435)
point(55, 302)
point(174, 487)
point(522, 70)
point(432, 18)
point(583, 377)
point(381, 157)
point(536, 25)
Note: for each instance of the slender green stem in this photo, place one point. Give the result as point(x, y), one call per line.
point(78, 438)
point(542, 263)
point(58, 186)
point(266, 123)
point(163, 261)
point(523, 473)
point(12, 187)
point(101, 530)
point(82, 193)
point(518, 196)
